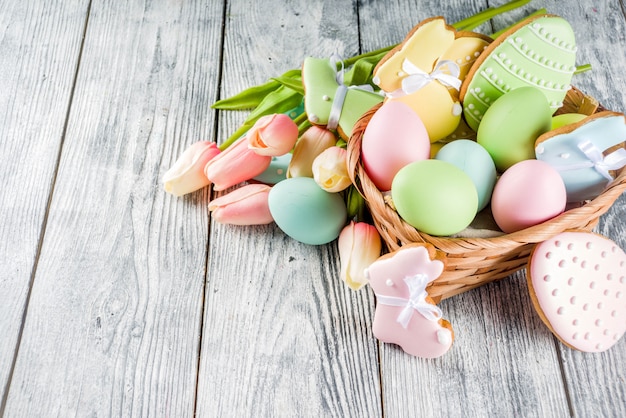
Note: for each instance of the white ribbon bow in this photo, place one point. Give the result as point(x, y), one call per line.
point(340, 94)
point(417, 78)
point(597, 160)
point(415, 302)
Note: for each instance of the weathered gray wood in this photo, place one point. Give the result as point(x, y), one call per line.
point(282, 335)
point(120, 321)
point(113, 324)
point(39, 49)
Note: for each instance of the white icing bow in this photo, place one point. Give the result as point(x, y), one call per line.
point(597, 160)
point(417, 78)
point(340, 94)
point(416, 301)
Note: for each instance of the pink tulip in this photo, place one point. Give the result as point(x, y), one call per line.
point(187, 173)
point(311, 144)
point(359, 246)
point(236, 164)
point(330, 171)
point(246, 205)
point(273, 135)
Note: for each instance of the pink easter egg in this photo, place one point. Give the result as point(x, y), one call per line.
point(395, 136)
point(528, 193)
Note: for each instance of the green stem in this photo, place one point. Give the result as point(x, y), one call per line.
point(582, 68)
point(501, 31)
point(481, 17)
point(228, 143)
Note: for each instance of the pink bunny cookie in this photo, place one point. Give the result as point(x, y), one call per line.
point(405, 314)
point(577, 282)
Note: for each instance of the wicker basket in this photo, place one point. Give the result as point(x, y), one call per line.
point(472, 262)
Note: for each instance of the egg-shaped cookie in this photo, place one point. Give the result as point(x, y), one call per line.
point(539, 52)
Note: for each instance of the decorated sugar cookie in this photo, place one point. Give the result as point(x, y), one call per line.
point(578, 151)
point(405, 314)
point(426, 72)
point(328, 102)
point(538, 52)
point(577, 282)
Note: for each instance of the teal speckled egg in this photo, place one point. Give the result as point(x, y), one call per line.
point(305, 212)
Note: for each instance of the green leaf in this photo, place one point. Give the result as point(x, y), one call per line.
point(253, 96)
point(294, 83)
point(248, 98)
point(361, 72)
point(280, 100)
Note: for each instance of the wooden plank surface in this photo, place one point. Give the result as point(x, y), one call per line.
point(113, 324)
point(142, 307)
point(282, 336)
point(39, 49)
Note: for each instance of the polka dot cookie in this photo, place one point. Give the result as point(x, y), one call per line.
point(539, 52)
point(577, 282)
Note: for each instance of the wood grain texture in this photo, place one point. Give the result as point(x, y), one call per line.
point(282, 335)
point(142, 307)
point(39, 50)
point(113, 324)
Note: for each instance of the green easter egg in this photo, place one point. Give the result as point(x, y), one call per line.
point(511, 125)
point(434, 197)
point(565, 119)
point(305, 212)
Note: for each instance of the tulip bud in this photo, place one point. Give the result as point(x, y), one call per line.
point(359, 246)
point(311, 144)
point(187, 173)
point(246, 205)
point(236, 164)
point(273, 135)
point(330, 171)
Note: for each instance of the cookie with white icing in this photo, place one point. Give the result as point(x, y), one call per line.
point(328, 102)
point(426, 70)
point(405, 314)
point(586, 153)
point(538, 52)
point(577, 282)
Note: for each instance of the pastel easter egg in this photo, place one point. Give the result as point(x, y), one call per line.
point(395, 136)
point(577, 282)
point(512, 124)
point(539, 52)
point(277, 170)
point(565, 119)
point(305, 212)
point(435, 197)
point(527, 194)
point(476, 162)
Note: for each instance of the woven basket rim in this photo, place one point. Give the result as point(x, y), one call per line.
point(473, 262)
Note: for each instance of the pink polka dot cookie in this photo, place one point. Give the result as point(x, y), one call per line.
point(405, 314)
point(577, 282)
